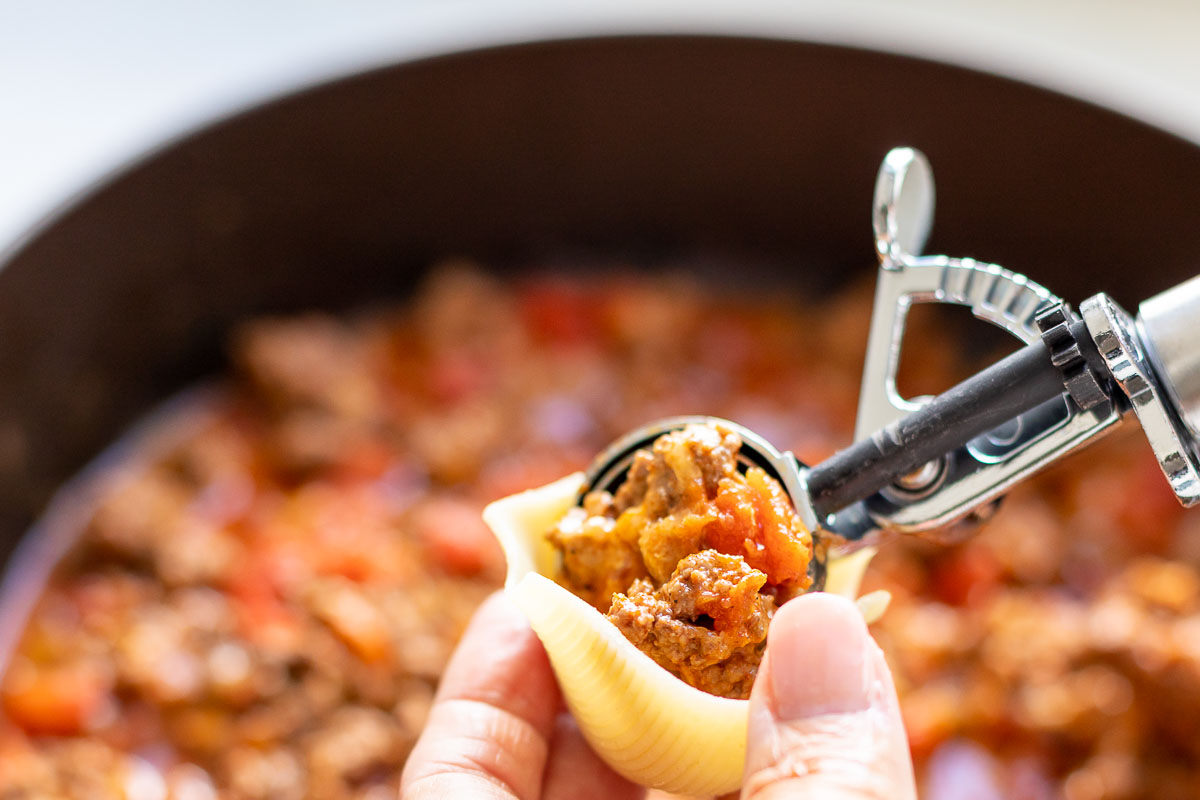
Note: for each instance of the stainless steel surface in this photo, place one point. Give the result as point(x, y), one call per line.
point(1065, 339)
point(984, 470)
point(1155, 363)
point(1114, 332)
point(1159, 375)
point(960, 497)
point(1169, 329)
point(924, 479)
point(902, 217)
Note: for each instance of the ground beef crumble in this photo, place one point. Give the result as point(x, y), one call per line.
point(689, 556)
point(707, 624)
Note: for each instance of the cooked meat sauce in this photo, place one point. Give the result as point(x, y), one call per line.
point(261, 607)
point(689, 557)
point(707, 624)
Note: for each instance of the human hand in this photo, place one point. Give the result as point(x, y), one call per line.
point(824, 719)
point(499, 729)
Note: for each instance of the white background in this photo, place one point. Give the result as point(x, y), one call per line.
point(85, 85)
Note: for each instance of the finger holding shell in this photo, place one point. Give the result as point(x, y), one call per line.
point(647, 724)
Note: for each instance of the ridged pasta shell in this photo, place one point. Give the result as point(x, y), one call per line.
point(644, 722)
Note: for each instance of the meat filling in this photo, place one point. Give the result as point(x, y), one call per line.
point(707, 624)
point(689, 557)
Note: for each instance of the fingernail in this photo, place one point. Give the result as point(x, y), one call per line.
point(819, 658)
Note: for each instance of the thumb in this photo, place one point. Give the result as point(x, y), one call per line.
point(824, 720)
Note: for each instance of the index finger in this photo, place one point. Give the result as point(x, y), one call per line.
point(492, 720)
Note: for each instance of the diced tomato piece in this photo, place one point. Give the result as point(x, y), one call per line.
point(353, 564)
point(55, 700)
point(789, 546)
point(737, 530)
point(354, 618)
point(757, 521)
point(455, 535)
point(260, 611)
point(455, 377)
point(966, 574)
point(367, 460)
point(559, 312)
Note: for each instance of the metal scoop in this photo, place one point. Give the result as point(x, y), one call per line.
point(609, 469)
point(920, 465)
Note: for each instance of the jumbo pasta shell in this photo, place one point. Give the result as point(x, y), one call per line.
point(644, 722)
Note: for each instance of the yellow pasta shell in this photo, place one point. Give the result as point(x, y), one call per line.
point(644, 722)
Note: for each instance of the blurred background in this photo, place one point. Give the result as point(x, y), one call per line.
point(86, 86)
point(264, 589)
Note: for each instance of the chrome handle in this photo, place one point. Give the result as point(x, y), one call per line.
point(1169, 328)
point(902, 218)
point(1154, 362)
point(1153, 392)
point(973, 476)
